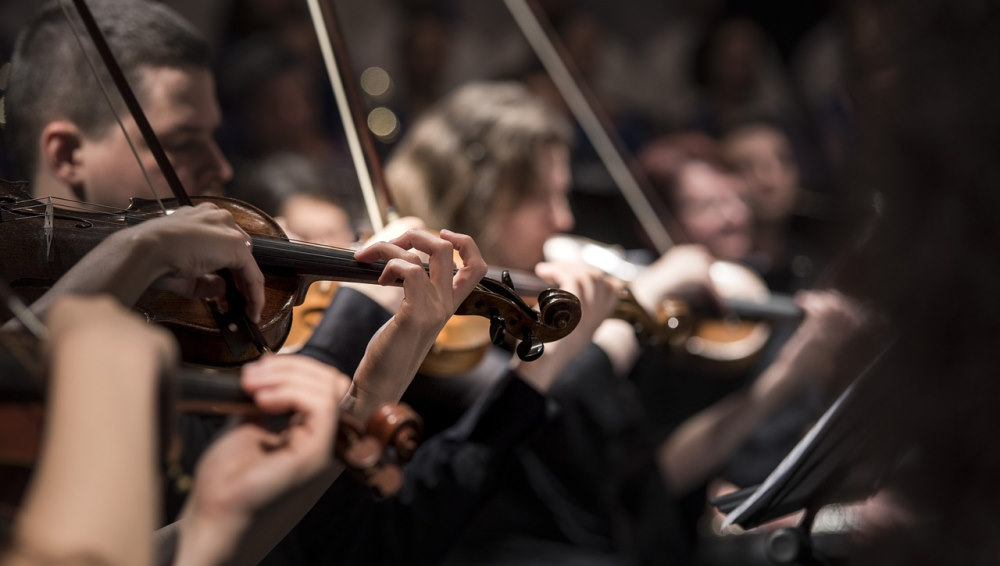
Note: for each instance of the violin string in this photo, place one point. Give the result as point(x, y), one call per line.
point(36, 209)
point(317, 254)
point(326, 255)
point(111, 105)
point(70, 206)
point(65, 203)
point(329, 255)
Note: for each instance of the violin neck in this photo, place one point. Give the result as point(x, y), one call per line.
point(202, 391)
point(523, 282)
point(314, 262)
point(775, 309)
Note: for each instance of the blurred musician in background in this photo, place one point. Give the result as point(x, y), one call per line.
point(495, 147)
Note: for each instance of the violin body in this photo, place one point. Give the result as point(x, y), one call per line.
point(44, 241)
point(192, 322)
point(728, 345)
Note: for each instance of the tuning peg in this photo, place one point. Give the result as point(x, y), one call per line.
point(497, 329)
point(530, 349)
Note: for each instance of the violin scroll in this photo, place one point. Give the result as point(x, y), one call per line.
point(559, 311)
point(512, 320)
point(398, 427)
point(375, 452)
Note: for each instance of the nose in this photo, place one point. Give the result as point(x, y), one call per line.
point(217, 172)
point(766, 173)
point(734, 211)
point(560, 214)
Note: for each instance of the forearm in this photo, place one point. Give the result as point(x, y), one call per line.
point(390, 362)
point(349, 323)
point(203, 539)
point(110, 403)
point(618, 340)
point(703, 443)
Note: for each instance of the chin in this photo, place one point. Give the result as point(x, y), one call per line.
point(732, 252)
point(525, 263)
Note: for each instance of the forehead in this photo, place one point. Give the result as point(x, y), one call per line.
point(700, 180)
point(179, 98)
point(552, 165)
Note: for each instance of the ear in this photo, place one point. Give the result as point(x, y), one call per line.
point(60, 145)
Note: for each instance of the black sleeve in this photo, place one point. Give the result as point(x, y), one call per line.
point(347, 326)
point(448, 480)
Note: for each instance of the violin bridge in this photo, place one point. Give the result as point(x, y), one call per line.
point(47, 228)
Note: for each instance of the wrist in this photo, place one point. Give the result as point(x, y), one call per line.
point(619, 342)
point(145, 253)
point(209, 541)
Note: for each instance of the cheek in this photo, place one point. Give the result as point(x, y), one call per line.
point(114, 182)
point(521, 240)
point(697, 225)
point(187, 170)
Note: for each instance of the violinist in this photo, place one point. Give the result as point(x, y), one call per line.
point(100, 448)
point(788, 219)
point(292, 190)
point(733, 432)
point(493, 159)
point(70, 147)
point(512, 388)
point(74, 150)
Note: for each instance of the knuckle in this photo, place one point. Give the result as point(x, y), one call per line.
point(478, 265)
point(438, 245)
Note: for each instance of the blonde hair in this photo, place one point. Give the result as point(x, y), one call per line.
point(472, 158)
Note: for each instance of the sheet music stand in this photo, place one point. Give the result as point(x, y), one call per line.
point(839, 460)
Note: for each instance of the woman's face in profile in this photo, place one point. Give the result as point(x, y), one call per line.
point(524, 231)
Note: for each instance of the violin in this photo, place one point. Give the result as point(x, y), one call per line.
point(698, 332)
point(720, 337)
point(373, 451)
point(723, 334)
point(44, 241)
point(460, 345)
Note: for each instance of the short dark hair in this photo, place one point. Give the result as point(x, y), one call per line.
point(51, 79)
